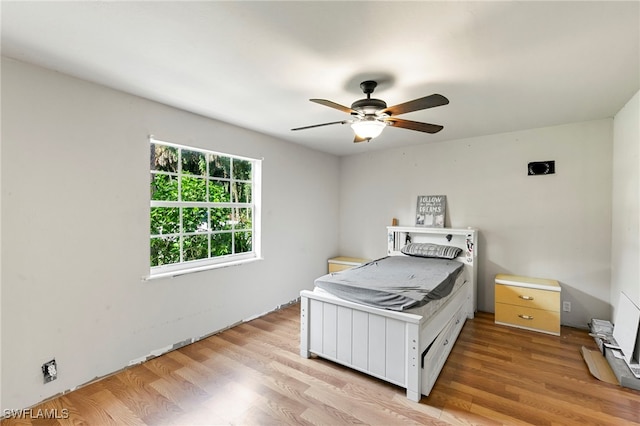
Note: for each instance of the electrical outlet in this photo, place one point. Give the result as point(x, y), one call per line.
point(50, 371)
point(566, 306)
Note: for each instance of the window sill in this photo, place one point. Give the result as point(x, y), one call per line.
point(173, 274)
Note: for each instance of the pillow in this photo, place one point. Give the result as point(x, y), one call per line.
point(431, 250)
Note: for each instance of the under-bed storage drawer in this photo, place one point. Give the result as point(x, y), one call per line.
point(436, 354)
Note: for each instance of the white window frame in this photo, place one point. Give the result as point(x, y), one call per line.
point(184, 267)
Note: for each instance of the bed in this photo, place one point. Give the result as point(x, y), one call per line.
point(404, 343)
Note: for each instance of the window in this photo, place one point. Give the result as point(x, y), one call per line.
point(204, 209)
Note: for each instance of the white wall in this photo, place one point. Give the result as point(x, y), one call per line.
point(75, 222)
point(556, 226)
point(1, 239)
point(625, 253)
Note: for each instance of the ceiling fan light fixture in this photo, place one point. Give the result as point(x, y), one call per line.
point(368, 128)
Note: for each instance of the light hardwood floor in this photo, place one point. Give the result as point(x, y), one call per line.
point(252, 374)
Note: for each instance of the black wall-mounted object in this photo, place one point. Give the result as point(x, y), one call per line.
point(536, 168)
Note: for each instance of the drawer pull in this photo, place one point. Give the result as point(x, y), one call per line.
point(446, 342)
point(525, 317)
point(526, 297)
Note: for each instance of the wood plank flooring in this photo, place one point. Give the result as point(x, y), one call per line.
point(252, 374)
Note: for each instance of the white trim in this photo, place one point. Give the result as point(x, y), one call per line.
point(184, 271)
point(207, 151)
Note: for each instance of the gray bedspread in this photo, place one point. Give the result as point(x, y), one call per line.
point(394, 282)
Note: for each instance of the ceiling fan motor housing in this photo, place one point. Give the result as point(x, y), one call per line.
point(368, 106)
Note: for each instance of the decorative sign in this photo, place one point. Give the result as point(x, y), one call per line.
point(431, 211)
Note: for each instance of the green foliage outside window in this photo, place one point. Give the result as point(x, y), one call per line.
point(186, 222)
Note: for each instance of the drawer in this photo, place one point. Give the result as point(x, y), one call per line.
point(528, 297)
point(336, 267)
point(437, 354)
point(529, 318)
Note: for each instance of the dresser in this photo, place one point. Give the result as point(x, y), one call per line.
point(341, 263)
point(529, 303)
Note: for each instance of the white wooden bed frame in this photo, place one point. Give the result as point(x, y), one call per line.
point(390, 344)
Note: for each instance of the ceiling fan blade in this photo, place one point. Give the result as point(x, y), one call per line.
point(414, 125)
point(320, 125)
point(357, 139)
point(417, 104)
point(333, 105)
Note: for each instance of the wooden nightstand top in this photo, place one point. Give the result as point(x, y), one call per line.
point(344, 260)
point(529, 282)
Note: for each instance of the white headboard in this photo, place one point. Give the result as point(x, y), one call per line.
point(466, 239)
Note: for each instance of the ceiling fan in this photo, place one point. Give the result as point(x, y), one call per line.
point(371, 116)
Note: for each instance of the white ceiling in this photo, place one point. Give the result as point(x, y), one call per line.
point(503, 65)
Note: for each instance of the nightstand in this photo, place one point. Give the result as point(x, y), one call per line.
point(341, 263)
point(529, 303)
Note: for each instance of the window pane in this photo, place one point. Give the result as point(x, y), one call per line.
point(195, 247)
point(193, 163)
point(164, 158)
point(241, 192)
point(165, 220)
point(220, 219)
point(193, 189)
point(219, 191)
point(201, 207)
point(219, 166)
point(194, 219)
point(164, 187)
point(220, 244)
point(165, 251)
point(241, 169)
point(242, 218)
point(243, 242)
